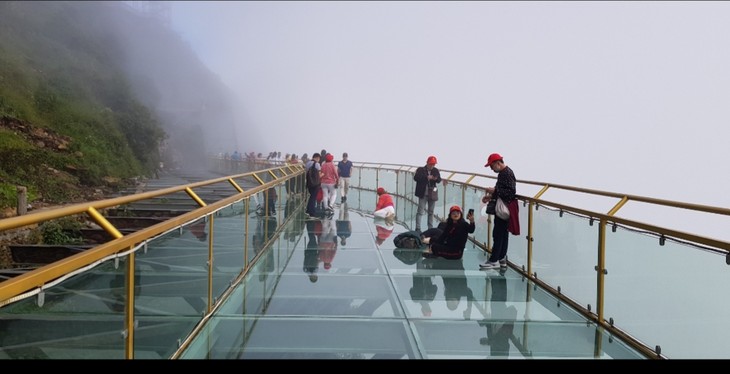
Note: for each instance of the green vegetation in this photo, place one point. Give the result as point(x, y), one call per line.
point(61, 232)
point(68, 118)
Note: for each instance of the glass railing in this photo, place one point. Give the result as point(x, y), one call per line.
point(653, 286)
point(141, 295)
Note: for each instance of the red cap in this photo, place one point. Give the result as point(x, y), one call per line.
point(329, 157)
point(381, 190)
point(455, 207)
point(492, 158)
point(431, 160)
point(327, 265)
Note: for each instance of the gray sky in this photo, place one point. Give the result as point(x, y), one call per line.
point(630, 97)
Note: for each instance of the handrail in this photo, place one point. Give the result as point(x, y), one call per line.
point(604, 219)
point(609, 216)
point(39, 277)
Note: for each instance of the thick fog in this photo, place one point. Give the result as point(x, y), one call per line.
point(629, 97)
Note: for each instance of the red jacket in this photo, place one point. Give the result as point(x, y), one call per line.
point(513, 226)
point(383, 201)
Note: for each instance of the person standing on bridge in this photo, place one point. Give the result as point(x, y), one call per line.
point(505, 189)
point(344, 169)
point(313, 181)
point(330, 179)
point(427, 178)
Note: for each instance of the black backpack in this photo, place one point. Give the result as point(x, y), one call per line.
point(313, 179)
point(409, 239)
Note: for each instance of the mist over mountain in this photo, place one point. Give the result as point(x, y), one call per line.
point(114, 87)
point(167, 76)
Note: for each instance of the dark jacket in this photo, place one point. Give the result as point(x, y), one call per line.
point(506, 186)
point(451, 243)
point(421, 178)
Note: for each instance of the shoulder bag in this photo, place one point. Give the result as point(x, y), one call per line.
point(501, 209)
point(433, 193)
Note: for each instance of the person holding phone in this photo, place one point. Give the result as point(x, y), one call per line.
point(450, 244)
point(427, 179)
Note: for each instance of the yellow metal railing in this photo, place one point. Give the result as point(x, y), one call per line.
point(35, 281)
point(465, 181)
point(366, 176)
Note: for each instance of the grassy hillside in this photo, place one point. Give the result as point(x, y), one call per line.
point(68, 118)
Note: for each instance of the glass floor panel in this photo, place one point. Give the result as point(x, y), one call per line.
point(320, 299)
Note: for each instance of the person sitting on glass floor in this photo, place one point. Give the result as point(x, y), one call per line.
point(450, 244)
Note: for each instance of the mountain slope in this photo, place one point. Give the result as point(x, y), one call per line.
point(97, 77)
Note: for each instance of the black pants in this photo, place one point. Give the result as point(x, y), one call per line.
point(501, 239)
point(312, 201)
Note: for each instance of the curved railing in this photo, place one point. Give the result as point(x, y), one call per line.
point(105, 258)
point(562, 247)
point(569, 251)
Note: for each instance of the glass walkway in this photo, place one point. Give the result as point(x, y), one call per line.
point(232, 276)
point(337, 293)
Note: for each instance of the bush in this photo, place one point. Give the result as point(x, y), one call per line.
point(65, 230)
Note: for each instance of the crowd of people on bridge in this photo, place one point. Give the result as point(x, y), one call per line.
point(326, 179)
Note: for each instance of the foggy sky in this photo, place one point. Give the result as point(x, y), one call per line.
point(630, 97)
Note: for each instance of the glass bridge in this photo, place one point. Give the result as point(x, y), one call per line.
point(361, 300)
point(225, 281)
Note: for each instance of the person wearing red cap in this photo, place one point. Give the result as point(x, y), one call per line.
point(506, 189)
point(427, 178)
point(385, 207)
point(330, 178)
point(450, 244)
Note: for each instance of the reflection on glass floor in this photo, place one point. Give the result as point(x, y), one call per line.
point(323, 297)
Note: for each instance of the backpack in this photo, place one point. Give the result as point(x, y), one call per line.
point(409, 239)
point(313, 179)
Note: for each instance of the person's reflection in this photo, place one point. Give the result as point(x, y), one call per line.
point(296, 225)
point(455, 285)
point(328, 243)
point(265, 227)
point(311, 252)
point(384, 228)
point(501, 324)
point(423, 291)
point(198, 230)
point(343, 224)
point(117, 288)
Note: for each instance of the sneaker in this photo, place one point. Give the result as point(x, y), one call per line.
point(503, 263)
point(489, 265)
